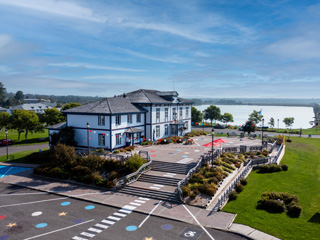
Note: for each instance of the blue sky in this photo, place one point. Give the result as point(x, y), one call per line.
point(210, 48)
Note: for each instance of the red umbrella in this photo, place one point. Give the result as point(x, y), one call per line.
point(220, 140)
point(210, 144)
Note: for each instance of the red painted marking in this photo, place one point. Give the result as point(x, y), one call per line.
point(153, 155)
point(2, 217)
point(152, 151)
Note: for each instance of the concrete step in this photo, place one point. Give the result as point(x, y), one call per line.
point(159, 180)
point(141, 192)
point(177, 168)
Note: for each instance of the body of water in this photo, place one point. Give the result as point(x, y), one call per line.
point(302, 115)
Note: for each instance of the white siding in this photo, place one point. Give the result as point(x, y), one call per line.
point(81, 121)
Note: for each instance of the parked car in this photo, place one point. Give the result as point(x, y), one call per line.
point(240, 128)
point(3, 142)
point(219, 127)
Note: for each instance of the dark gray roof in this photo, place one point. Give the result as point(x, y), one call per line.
point(154, 96)
point(57, 126)
point(107, 106)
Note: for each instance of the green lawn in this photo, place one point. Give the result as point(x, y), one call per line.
point(302, 178)
point(32, 138)
point(20, 157)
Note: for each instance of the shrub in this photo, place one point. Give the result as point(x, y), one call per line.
point(239, 187)
point(113, 175)
point(134, 163)
point(64, 156)
point(146, 143)
point(284, 167)
point(243, 181)
point(271, 205)
point(164, 141)
point(233, 195)
point(264, 168)
point(185, 191)
point(96, 178)
point(289, 140)
point(193, 195)
point(294, 209)
point(111, 165)
point(93, 162)
point(265, 152)
point(195, 191)
point(116, 151)
point(122, 150)
point(78, 172)
point(227, 166)
point(57, 172)
point(238, 165)
point(210, 190)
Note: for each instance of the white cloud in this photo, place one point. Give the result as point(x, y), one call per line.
point(91, 66)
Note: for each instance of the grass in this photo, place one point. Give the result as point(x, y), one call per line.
point(302, 178)
point(20, 157)
point(34, 138)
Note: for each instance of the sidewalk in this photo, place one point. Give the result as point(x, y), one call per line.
point(218, 220)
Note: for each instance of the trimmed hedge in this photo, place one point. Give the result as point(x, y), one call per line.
point(265, 168)
point(233, 195)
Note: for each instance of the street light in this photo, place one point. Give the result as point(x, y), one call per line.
point(88, 125)
point(262, 132)
point(278, 125)
point(212, 145)
point(202, 120)
point(7, 144)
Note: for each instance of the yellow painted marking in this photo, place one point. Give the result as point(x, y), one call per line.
point(11, 225)
point(62, 214)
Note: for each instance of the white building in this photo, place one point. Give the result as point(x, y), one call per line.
point(129, 119)
point(35, 107)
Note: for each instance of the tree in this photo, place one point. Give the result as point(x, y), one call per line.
point(196, 115)
point(3, 94)
point(227, 117)
point(70, 105)
point(4, 119)
point(65, 136)
point(288, 121)
point(213, 113)
point(19, 97)
point(27, 121)
point(271, 122)
point(53, 116)
point(255, 116)
point(9, 102)
point(250, 126)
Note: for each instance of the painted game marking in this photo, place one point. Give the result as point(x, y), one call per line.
point(65, 203)
point(131, 228)
point(114, 218)
point(120, 214)
point(36, 214)
point(167, 227)
point(41, 225)
point(89, 207)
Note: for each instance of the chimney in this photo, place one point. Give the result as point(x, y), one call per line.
point(124, 95)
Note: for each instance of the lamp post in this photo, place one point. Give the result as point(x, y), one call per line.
point(7, 144)
point(212, 146)
point(88, 125)
point(278, 125)
point(202, 120)
point(262, 132)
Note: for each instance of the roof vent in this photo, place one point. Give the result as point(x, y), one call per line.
point(124, 95)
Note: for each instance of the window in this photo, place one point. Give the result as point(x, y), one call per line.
point(157, 131)
point(180, 113)
point(101, 139)
point(166, 114)
point(174, 114)
point(118, 139)
point(137, 136)
point(166, 129)
point(186, 125)
point(118, 120)
point(129, 118)
point(101, 120)
point(139, 117)
point(187, 112)
point(158, 114)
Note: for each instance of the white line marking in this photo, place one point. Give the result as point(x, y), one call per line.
point(154, 188)
point(171, 173)
point(18, 194)
point(94, 230)
point(108, 222)
point(18, 204)
point(114, 218)
point(125, 211)
point(6, 172)
point(167, 175)
point(197, 143)
point(79, 238)
point(149, 214)
point(101, 226)
point(139, 201)
point(142, 198)
point(87, 234)
point(136, 204)
point(59, 230)
point(120, 214)
point(198, 222)
point(158, 185)
point(129, 207)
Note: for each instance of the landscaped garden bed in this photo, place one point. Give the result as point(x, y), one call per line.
point(63, 163)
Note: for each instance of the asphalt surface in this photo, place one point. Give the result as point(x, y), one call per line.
point(20, 148)
point(28, 214)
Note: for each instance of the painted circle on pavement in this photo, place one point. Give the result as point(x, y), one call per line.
point(78, 221)
point(41, 225)
point(65, 203)
point(197, 150)
point(152, 151)
point(186, 153)
point(185, 156)
point(89, 207)
point(131, 228)
point(179, 150)
point(35, 214)
point(167, 227)
point(170, 153)
point(4, 237)
point(153, 155)
point(2, 217)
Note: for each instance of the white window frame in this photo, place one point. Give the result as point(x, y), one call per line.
point(101, 120)
point(139, 117)
point(187, 112)
point(129, 118)
point(118, 119)
point(174, 113)
point(166, 114)
point(166, 130)
point(118, 139)
point(157, 114)
point(157, 131)
point(180, 112)
point(101, 139)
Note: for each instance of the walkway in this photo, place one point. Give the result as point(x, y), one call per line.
point(21, 148)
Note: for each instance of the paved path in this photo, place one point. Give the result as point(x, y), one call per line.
point(21, 148)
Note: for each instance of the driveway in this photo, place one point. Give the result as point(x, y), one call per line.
point(14, 149)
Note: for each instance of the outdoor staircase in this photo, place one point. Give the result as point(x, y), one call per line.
point(159, 180)
point(168, 167)
point(142, 192)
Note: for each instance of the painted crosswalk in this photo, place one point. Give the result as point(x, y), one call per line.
point(110, 220)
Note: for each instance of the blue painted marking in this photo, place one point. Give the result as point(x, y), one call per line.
point(184, 156)
point(65, 203)
point(78, 221)
point(179, 150)
point(41, 225)
point(4, 237)
point(89, 207)
point(167, 227)
point(227, 144)
point(131, 228)
point(7, 170)
point(201, 138)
